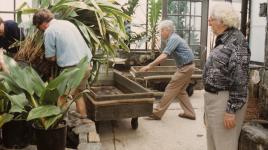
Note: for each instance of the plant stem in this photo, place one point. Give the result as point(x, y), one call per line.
point(35, 106)
point(34, 102)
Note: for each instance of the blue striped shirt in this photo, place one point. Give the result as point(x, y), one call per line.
point(178, 49)
point(63, 40)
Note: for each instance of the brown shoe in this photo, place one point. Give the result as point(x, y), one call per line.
point(153, 117)
point(182, 115)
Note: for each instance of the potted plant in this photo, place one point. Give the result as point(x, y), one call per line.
point(16, 131)
point(29, 91)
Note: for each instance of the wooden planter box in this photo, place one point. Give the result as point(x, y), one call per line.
point(119, 98)
point(157, 71)
point(162, 75)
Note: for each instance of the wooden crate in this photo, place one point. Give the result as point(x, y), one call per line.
point(157, 71)
point(117, 99)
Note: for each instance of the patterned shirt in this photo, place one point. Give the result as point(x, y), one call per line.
point(179, 50)
point(227, 68)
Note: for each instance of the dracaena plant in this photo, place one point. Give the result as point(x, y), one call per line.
point(29, 97)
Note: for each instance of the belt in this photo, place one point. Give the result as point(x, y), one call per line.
point(189, 63)
point(211, 89)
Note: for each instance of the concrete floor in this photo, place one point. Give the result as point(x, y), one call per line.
point(170, 133)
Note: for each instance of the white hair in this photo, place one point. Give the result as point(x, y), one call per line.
point(167, 24)
point(225, 13)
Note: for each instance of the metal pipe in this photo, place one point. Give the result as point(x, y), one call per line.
point(249, 18)
point(14, 13)
point(244, 14)
point(266, 43)
point(146, 43)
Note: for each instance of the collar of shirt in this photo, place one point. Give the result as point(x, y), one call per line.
point(170, 35)
point(222, 38)
point(52, 21)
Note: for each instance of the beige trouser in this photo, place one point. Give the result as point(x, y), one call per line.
point(177, 88)
point(219, 137)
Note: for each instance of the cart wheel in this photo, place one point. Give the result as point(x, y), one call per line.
point(134, 123)
point(190, 89)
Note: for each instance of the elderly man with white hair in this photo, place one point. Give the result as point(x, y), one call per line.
point(225, 77)
point(177, 48)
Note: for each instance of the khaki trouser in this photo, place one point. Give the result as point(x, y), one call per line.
point(219, 137)
point(177, 88)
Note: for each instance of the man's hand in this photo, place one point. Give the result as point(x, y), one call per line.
point(2, 61)
point(3, 66)
point(2, 56)
point(229, 120)
point(146, 68)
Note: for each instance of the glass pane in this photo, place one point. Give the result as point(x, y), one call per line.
point(7, 16)
point(138, 23)
point(195, 38)
point(178, 7)
point(196, 23)
point(181, 22)
point(6, 5)
point(187, 23)
point(184, 8)
point(184, 34)
point(173, 7)
point(20, 2)
point(196, 8)
point(178, 25)
point(137, 30)
point(196, 50)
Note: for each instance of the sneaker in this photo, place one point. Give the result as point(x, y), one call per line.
point(153, 117)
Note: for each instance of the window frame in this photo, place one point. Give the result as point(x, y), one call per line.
point(11, 11)
point(204, 23)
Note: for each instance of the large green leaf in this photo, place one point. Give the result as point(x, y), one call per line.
point(8, 84)
point(43, 111)
point(49, 97)
point(4, 118)
point(69, 79)
point(18, 102)
point(38, 84)
point(52, 121)
point(22, 78)
point(76, 78)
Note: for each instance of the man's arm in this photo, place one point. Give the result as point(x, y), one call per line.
point(51, 58)
point(50, 45)
point(238, 90)
point(157, 61)
point(3, 66)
